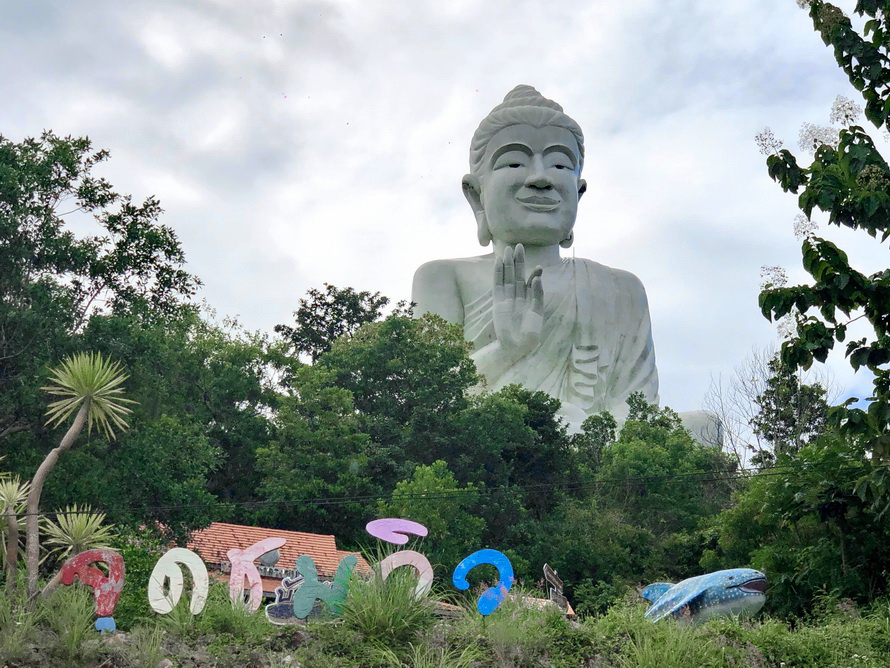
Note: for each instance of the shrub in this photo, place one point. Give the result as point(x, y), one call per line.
point(140, 554)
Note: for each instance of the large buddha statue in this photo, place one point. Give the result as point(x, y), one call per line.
point(574, 328)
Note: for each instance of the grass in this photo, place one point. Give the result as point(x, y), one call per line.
point(386, 612)
point(384, 626)
point(146, 649)
point(18, 626)
point(69, 613)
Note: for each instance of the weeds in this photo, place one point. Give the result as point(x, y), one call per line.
point(181, 622)
point(69, 613)
point(18, 625)
point(386, 612)
point(428, 655)
point(145, 647)
point(223, 617)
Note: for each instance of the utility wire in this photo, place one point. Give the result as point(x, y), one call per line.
point(725, 475)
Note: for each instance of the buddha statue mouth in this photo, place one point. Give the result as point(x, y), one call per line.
point(538, 203)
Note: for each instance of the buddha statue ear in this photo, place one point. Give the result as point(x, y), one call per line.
point(567, 242)
point(473, 192)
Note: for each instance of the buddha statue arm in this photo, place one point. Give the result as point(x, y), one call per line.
point(435, 291)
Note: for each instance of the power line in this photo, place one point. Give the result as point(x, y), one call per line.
point(724, 475)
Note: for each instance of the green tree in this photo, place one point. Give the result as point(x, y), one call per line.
point(790, 413)
point(802, 525)
point(13, 496)
point(212, 382)
point(640, 511)
point(433, 497)
point(318, 454)
point(91, 386)
point(659, 475)
point(323, 317)
point(52, 279)
point(407, 378)
point(850, 183)
point(597, 433)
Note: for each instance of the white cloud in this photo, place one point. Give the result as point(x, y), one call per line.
point(293, 144)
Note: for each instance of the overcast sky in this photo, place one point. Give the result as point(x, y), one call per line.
point(298, 142)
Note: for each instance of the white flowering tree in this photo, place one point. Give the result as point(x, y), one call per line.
point(848, 180)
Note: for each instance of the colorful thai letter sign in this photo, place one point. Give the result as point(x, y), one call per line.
point(393, 530)
point(169, 570)
point(106, 589)
point(334, 594)
point(410, 558)
point(243, 567)
point(493, 596)
point(281, 612)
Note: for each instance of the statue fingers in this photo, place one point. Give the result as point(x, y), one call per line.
point(537, 272)
point(498, 291)
point(509, 274)
point(519, 270)
point(537, 295)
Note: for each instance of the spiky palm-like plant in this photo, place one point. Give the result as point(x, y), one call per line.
point(90, 385)
point(13, 494)
point(76, 529)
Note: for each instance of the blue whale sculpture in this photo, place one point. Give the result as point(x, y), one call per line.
point(731, 593)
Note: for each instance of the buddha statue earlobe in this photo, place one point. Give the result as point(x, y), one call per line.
point(473, 192)
point(482, 231)
point(567, 242)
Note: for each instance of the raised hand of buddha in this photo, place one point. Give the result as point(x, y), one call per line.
point(518, 303)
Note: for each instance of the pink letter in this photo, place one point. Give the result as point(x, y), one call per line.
point(392, 530)
point(243, 567)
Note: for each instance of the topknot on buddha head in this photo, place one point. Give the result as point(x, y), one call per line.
point(522, 106)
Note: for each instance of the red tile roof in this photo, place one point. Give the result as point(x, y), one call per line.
point(213, 542)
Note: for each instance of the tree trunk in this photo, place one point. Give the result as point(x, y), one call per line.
point(32, 520)
point(12, 551)
point(52, 585)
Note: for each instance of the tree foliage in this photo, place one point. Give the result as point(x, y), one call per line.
point(791, 413)
point(323, 317)
point(52, 277)
point(433, 497)
point(801, 523)
point(850, 183)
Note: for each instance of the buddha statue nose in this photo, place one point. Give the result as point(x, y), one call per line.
point(537, 174)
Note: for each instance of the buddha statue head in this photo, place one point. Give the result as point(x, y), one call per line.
point(525, 172)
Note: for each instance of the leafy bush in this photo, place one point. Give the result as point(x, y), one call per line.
point(140, 554)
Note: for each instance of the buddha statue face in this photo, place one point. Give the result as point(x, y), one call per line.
point(528, 185)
